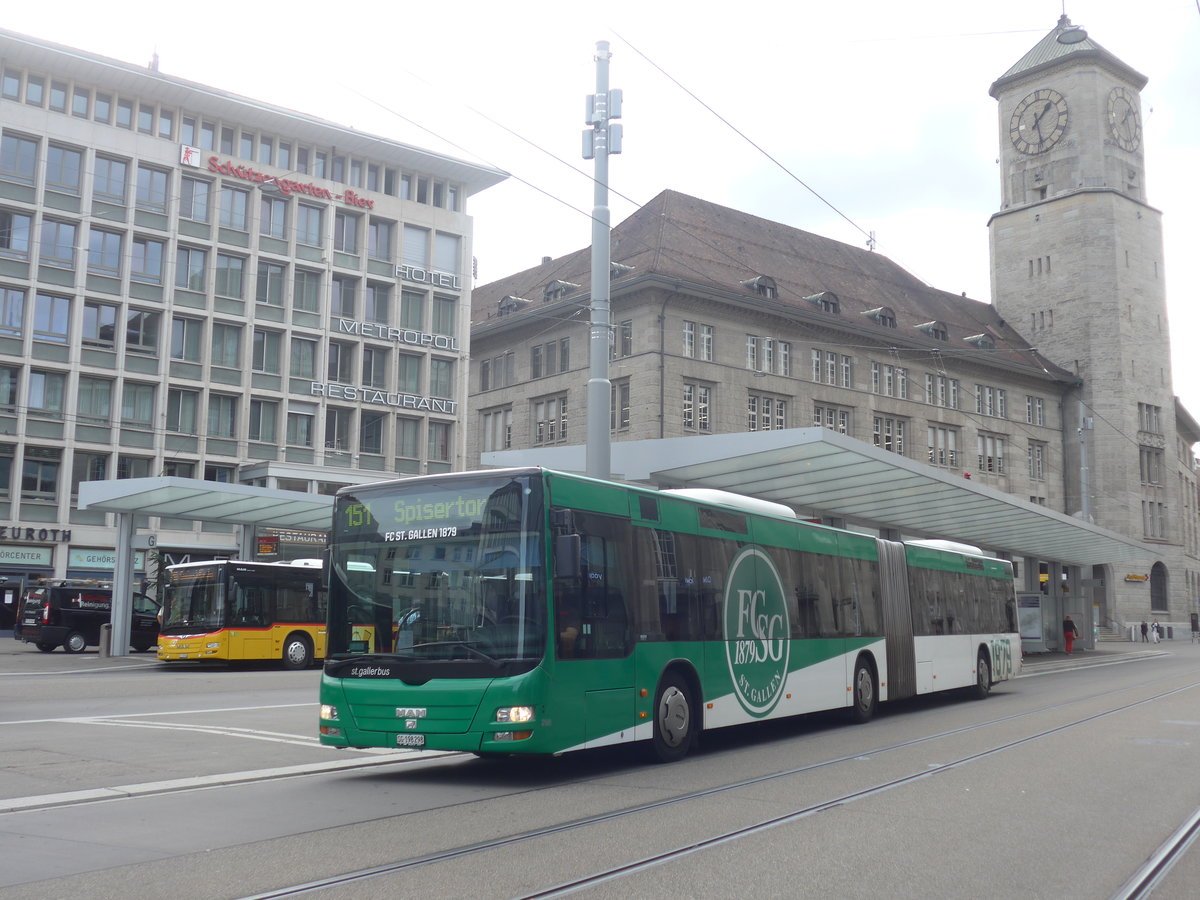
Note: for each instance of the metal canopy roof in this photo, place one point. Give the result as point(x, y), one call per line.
point(209, 501)
point(821, 470)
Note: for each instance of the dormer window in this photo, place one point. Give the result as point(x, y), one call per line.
point(557, 289)
point(511, 304)
point(616, 270)
point(883, 315)
point(936, 330)
point(982, 341)
point(763, 285)
point(826, 301)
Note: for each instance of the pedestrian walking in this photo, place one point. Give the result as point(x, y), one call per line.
point(1070, 632)
point(1145, 632)
point(1155, 631)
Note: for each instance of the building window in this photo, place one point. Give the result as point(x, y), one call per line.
point(379, 239)
point(58, 244)
point(51, 318)
point(230, 276)
point(182, 409)
point(226, 345)
point(835, 418)
point(267, 351)
point(141, 331)
point(1149, 418)
point(64, 168)
point(12, 311)
point(146, 262)
point(446, 252)
point(445, 314)
point(889, 380)
point(273, 218)
point(264, 414)
point(152, 189)
point(222, 416)
point(102, 111)
point(374, 367)
point(697, 407)
point(408, 373)
point(306, 290)
point(941, 391)
point(370, 432)
point(415, 249)
point(234, 206)
point(408, 438)
point(412, 309)
point(765, 413)
point(1035, 411)
point(991, 454)
point(339, 423)
point(345, 232)
point(222, 474)
point(193, 199)
point(943, 446)
point(95, 401)
point(441, 378)
point(190, 265)
point(438, 442)
point(1150, 465)
point(133, 467)
point(46, 393)
point(270, 284)
point(99, 324)
point(300, 429)
point(18, 158)
point(549, 358)
point(618, 419)
point(309, 228)
point(497, 430)
point(888, 434)
point(137, 406)
point(186, 335)
point(345, 297)
point(340, 367)
point(833, 368)
point(15, 234)
point(35, 90)
point(1154, 520)
point(990, 401)
point(39, 473)
point(622, 343)
point(378, 303)
point(550, 420)
point(1037, 461)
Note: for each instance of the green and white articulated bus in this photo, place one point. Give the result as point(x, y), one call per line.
point(536, 612)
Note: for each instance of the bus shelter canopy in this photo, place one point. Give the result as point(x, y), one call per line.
point(209, 501)
point(821, 471)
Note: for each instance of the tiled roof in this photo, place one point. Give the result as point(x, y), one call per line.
point(1064, 40)
point(713, 248)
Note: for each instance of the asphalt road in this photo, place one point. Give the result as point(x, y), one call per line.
point(210, 783)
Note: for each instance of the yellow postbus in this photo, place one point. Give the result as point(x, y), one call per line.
point(234, 610)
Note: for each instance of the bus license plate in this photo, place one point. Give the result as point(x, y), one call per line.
point(410, 740)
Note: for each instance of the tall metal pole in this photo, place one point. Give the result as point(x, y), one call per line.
point(598, 143)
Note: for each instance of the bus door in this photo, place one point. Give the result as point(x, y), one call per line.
point(594, 668)
point(250, 623)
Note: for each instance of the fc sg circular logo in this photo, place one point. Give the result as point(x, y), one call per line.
point(756, 631)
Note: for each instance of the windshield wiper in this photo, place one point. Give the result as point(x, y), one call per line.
point(469, 646)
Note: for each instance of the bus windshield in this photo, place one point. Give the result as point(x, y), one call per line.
point(435, 569)
point(194, 599)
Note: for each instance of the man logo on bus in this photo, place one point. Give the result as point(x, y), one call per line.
point(756, 631)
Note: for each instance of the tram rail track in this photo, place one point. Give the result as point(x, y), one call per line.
point(1143, 880)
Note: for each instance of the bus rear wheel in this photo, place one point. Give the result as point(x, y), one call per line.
point(297, 653)
point(674, 719)
point(866, 698)
point(983, 677)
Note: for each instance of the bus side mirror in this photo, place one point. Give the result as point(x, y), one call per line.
point(567, 556)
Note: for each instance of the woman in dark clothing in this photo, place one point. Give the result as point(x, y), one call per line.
point(1070, 632)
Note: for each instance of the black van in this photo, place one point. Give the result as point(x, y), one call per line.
point(69, 614)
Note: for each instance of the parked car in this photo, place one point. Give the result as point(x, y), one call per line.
point(69, 614)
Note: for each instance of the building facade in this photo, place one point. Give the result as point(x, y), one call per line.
point(723, 322)
point(198, 284)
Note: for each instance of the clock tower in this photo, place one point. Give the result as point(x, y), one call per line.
point(1076, 265)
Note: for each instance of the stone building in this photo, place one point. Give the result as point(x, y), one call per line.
point(723, 322)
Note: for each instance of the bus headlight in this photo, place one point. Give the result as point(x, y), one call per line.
point(328, 711)
point(514, 714)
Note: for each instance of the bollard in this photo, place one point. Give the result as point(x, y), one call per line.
point(106, 639)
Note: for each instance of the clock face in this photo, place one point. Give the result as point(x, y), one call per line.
point(1038, 121)
point(1123, 118)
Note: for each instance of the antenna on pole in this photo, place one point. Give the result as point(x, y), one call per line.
point(601, 140)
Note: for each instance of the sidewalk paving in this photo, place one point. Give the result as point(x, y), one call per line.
point(1105, 653)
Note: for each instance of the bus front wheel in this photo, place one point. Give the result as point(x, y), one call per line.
point(674, 719)
point(983, 677)
point(866, 697)
point(297, 654)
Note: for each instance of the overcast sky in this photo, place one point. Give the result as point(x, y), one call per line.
point(879, 107)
